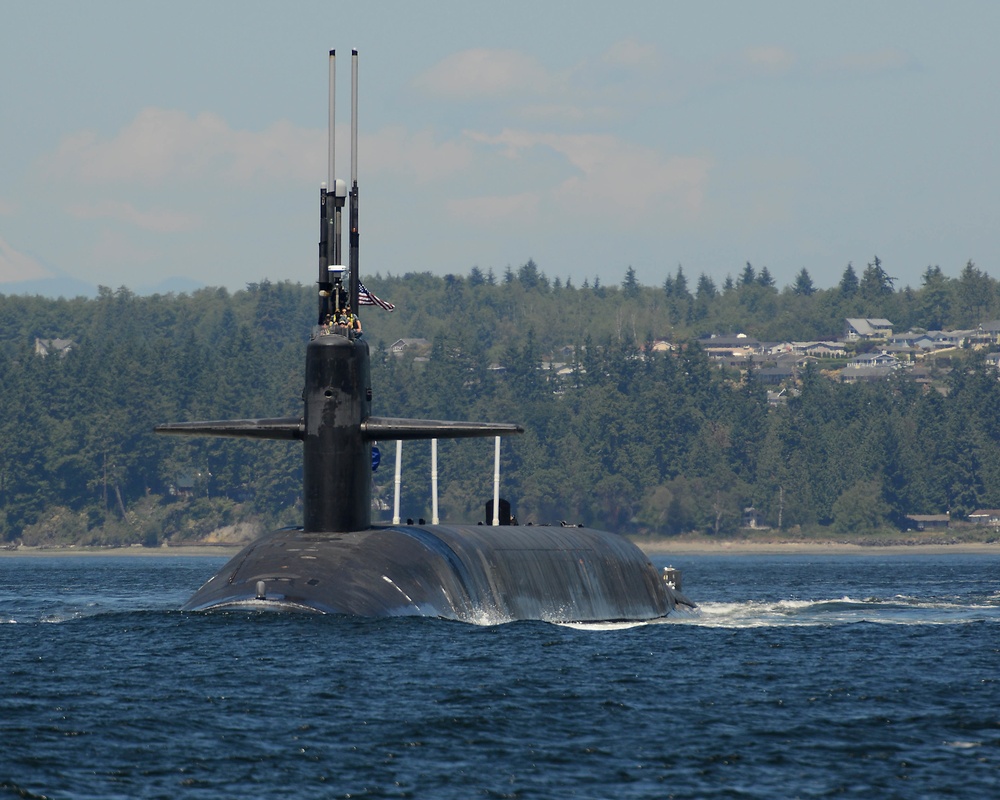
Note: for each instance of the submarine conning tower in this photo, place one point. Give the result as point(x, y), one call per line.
point(336, 465)
point(336, 428)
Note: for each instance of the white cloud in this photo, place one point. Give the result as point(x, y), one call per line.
point(489, 210)
point(163, 145)
point(595, 89)
point(479, 73)
point(157, 220)
point(632, 53)
point(395, 149)
point(567, 113)
point(117, 249)
point(773, 59)
point(15, 266)
point(611, 176)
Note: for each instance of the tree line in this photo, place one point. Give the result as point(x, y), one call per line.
point(631, 440)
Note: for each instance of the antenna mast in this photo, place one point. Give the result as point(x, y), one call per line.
point(354, 252)
point(333, 195)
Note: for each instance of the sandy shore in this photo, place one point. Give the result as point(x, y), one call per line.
point(661, 547)
point(706, 548)
point(145, 552)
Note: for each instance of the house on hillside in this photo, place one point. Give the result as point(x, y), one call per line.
point(926, 522)
point(44, 347)
point(870, 367)
point(775, 376)
point(740, 344)
point(856, 329)
point(882, 359)
point(986, 516)
point(990, 331)
point(400, 346)
point(820, 349)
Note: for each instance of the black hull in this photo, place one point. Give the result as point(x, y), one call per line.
point(478, 574)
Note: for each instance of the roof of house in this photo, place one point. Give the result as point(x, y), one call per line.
point(45, 346)
point(739, 340)
point(868, 326)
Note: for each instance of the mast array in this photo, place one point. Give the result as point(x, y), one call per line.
point(338, 283)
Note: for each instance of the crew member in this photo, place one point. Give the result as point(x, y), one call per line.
point(353, 323)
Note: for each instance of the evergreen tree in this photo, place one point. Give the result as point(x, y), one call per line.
point(803, 284)
point(630, 286)
point(848, 282)
point(706, 288)
point(681, 284)
point(975, 295)
point(935, 300)
point(875, 282)
point(529, 276)
point(704, 295)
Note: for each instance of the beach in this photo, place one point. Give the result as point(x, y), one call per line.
point(703, 546)
point(686, 546)
point(135, 551)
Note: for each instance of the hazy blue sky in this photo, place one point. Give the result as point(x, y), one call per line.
point(145, 140)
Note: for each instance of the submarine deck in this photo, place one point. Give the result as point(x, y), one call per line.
point(482, 574)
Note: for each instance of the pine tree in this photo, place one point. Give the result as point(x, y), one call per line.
point(875, 282)
point(630, 286)
point(706, 288)
point(848, 282)
point(803, 284)
point(764, 278)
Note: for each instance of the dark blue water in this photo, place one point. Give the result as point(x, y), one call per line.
point(833, 676)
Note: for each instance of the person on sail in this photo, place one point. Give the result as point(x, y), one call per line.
point(353, 323)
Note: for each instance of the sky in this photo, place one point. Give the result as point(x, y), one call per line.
point(143, 143)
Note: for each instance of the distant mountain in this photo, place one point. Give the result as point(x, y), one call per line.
point(47, 280)
point(171, 285)
point(59, 286)
point(67, 286)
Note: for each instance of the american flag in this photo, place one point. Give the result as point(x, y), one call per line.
point(366, 298)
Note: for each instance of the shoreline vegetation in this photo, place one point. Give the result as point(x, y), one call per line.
point(661, 415)
point(693, 545)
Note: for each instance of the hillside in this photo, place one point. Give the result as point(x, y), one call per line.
point(625, 437)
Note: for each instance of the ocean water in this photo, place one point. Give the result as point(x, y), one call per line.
point(821, 676)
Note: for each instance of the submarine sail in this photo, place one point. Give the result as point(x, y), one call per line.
point(339, 562)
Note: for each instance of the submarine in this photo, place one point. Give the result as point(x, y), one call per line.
point(338, 561)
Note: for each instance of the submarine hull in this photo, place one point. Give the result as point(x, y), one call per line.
point(477, 574)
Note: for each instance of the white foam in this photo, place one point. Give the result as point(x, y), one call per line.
point(898, 610)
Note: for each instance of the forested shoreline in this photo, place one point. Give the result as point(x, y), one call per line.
point(633, 440)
